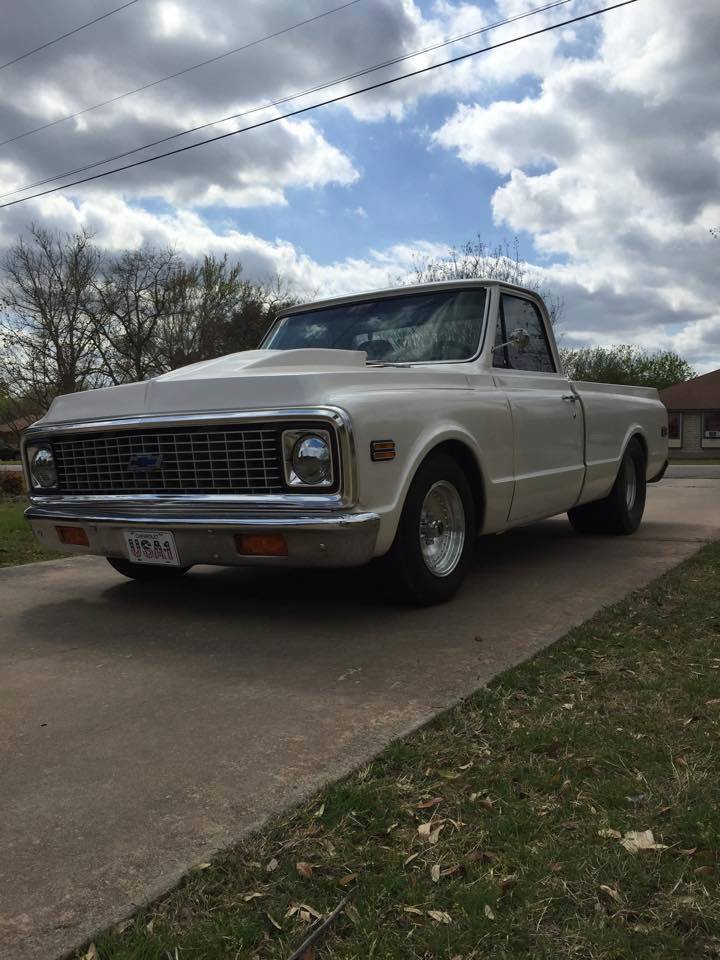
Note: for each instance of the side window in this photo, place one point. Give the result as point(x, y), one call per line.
point(517, 312)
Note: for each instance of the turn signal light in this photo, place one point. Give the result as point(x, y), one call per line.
point(261, 544)
point(382, 450)
point(73, 535)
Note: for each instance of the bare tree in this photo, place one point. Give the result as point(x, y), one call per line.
point(46, 332)
point(477, 260)
point(130, 308)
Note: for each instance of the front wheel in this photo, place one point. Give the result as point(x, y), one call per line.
point(434, 542)
point(143, 571)
point(622, 510)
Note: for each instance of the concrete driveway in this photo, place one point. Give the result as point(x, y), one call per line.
point(141, 730)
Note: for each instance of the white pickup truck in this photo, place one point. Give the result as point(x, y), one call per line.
point(393, 426)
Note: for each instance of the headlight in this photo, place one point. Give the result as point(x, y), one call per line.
point(308, 458)
point(42, 467)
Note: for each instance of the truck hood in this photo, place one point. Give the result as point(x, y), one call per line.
point(253, 379)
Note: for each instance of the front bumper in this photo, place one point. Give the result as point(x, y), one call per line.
point(203, 535)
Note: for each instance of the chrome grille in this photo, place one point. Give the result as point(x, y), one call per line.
point(228, 459)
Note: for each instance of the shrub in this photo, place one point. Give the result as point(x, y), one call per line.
point(11, 483)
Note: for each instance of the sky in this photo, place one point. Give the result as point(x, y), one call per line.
point(596, 144)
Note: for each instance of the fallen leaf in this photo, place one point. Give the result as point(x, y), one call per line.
point(426, 804)
point(466, 766)
point(609, 832)
point(311, 910)
point(320, 810)
point(508, 881)
point(439, 916)
point(304, 869)
point(309, 954)
point(121, 927)
point(414, 910)
point(202, 866)
point(713, 703)
point(706, 871)
point(449, 871)
point(610, 891)
point(433, 838)
point(252, 896)
point(681, 761)
point(272, 866)
point(481, 856)
point(411, 858)
point(449, 774)
point(689, 852)
point(429, 831)
point(273, 921)
point(91, 953)
point(488, 911)
point(555, 867)
point(635, 841)
point(149, 926)
point(435, 872)
point(347, 880)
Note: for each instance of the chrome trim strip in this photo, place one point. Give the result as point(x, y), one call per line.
point(80, 513)
point(336, 416)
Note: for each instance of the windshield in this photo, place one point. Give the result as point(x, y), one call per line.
point(438, 325)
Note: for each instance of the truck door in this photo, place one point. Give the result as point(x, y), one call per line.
point(547, 417)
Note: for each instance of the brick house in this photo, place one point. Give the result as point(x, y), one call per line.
point(694, 417)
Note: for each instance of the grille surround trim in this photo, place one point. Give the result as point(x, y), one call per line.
point(326, 417)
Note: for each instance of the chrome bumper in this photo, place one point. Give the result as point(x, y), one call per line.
point(204, 533)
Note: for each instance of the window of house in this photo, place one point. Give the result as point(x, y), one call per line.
point(711, 425)
point(675, 429)
point(517, 312)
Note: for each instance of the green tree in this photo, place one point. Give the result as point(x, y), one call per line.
point(627, 365)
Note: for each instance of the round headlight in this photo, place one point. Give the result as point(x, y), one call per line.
point(312, 460)
point(42, 468)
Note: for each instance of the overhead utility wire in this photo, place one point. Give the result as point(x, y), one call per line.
point(282, 100)
point(44, 46)
point(324, 103)
point(180, 73)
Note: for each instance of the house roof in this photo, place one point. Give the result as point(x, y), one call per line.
point(700, 393)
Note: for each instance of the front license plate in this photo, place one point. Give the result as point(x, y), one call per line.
point(152, 546)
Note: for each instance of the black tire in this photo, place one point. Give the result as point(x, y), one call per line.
point(406, 575)
point(620, 512)
point(142, 571)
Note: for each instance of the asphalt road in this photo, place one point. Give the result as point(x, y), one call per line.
point(142, 730)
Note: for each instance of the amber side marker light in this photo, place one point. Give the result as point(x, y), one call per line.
point(261, 544)
point(73, 535)
point(382, 450)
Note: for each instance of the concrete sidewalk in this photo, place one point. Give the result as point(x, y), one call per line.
point(142, 729)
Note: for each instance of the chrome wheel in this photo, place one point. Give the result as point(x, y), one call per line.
point(630, 483)
point(442, 528)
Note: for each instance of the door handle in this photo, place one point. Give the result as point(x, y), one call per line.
point(570, 397)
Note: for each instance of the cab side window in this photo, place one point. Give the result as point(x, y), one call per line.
point(517, 312)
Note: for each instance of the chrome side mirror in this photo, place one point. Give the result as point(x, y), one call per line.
point(519, 339)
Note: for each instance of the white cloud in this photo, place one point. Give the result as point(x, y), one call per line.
point(614, 166)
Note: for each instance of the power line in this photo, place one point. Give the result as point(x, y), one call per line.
point(324, 103)
point(172, 76)
point(44, 46)
point(278, 102)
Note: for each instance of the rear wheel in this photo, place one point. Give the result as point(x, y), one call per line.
point(142, 571)
point(434, 542)
point(622, 510)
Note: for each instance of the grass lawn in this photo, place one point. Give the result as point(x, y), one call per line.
point(503, 829)
point(17, 544)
